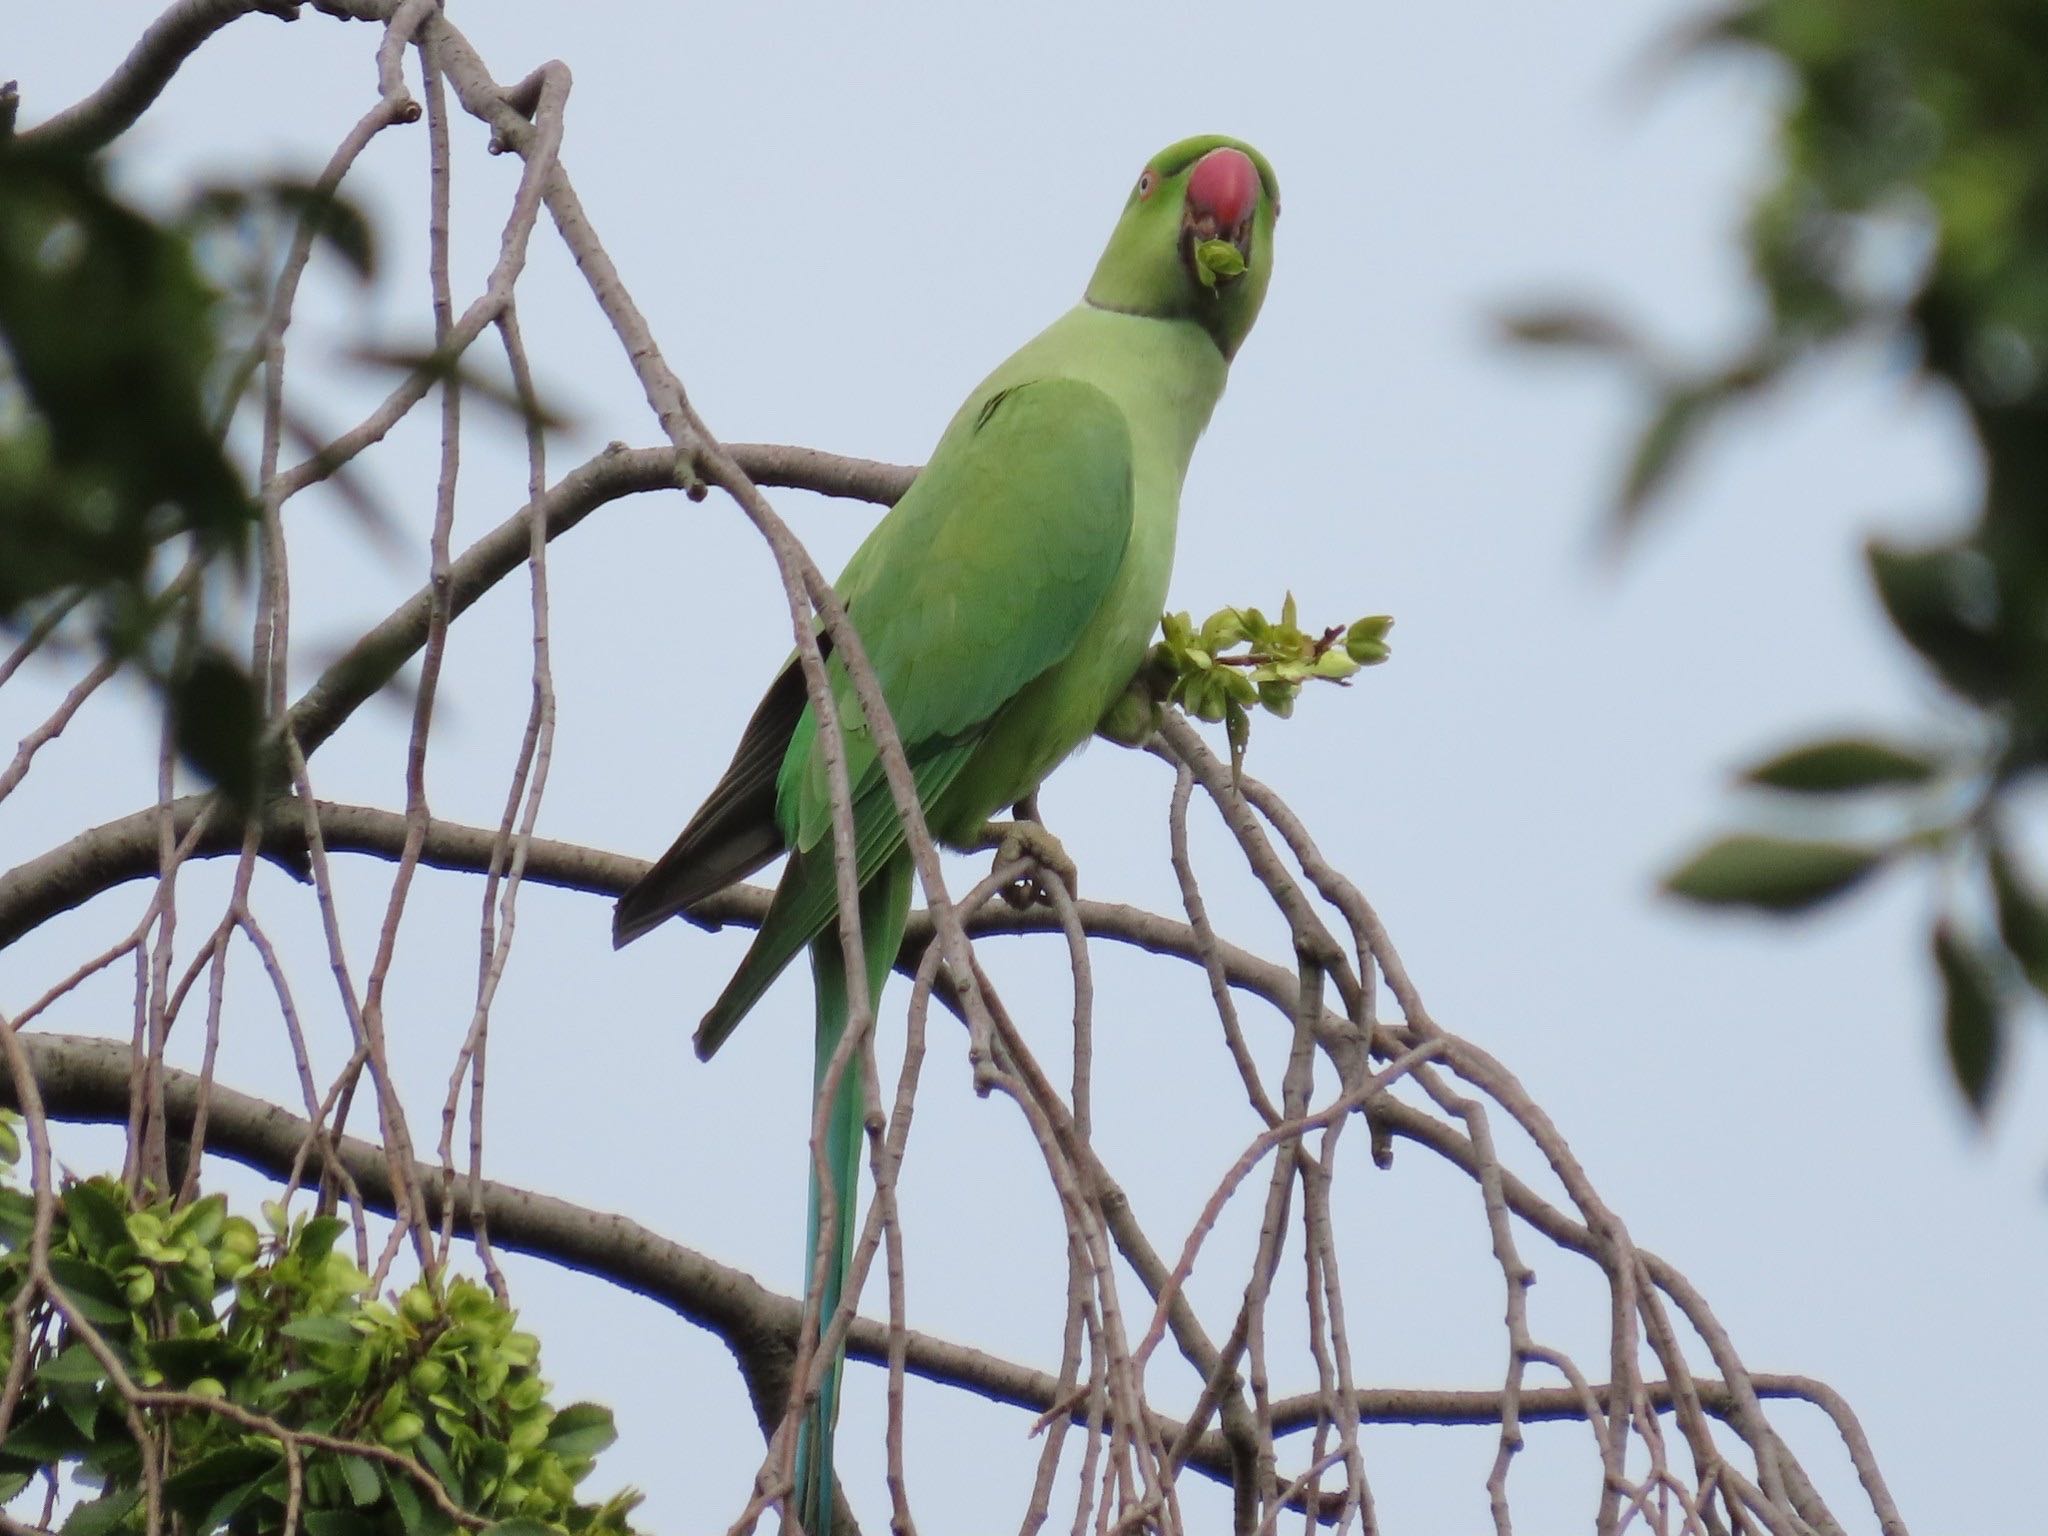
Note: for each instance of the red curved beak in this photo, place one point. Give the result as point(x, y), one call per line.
point(1222, 194)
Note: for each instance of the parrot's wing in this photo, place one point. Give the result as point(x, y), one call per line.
point(983, 577)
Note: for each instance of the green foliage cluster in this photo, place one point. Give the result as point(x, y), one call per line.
point(1203, 670)
point(276, 1321)
point(1909, 208)
point(121, 510)
point(117, 495)
point(107, 452)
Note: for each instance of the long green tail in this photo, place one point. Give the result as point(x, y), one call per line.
point(884, 906)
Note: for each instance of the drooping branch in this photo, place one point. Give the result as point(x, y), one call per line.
point(527, 119)
point(130, 844)
point(84, 1080)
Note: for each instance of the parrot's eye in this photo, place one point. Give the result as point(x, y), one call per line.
point(1145, 184)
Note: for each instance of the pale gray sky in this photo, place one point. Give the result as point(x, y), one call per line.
point(837, 220)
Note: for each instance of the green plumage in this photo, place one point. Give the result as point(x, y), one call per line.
point(1004, 603)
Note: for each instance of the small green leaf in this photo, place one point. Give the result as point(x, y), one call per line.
point(292, 1381)
point(364, 1486)
point(419, 1305)
point(195, 1489)
point(322, 1330)
point(581, 1430)
point(418, 1517)
point(526, 1438)
point(201, 1221)
point(1842, 765)
point(316, 1239)
point(45, 1435)
point(1237, 726)
point(2022, 917)
point(1669, 433)
point(100, 1223)
point(1366, 640)
point(1973, 1017)
point(1771, 873)
point(74, 1364)
point(238, 1248)
point(1221, 630)
point(17, 1219)
point(229, 1504)
point(1944, 601)
point(1218, 261)
point(429, 1451)
point(80, 1403)
point(96, 1294)
point(99, 1516)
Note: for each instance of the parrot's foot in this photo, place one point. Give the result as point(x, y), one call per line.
point(1137, 712)
point(1132, 719)
point(1039, 850)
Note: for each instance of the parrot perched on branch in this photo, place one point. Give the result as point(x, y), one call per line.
point(1004, 602)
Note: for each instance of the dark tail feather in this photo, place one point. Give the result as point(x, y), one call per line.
point(884, 906)
point(688, 873)
point(733, 833)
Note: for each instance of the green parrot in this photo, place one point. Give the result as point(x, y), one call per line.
point(1005, 602)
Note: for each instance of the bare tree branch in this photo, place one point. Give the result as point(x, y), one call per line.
point(172, 38)
point(105, 856)
point(618, 471)
point(85, 1080)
